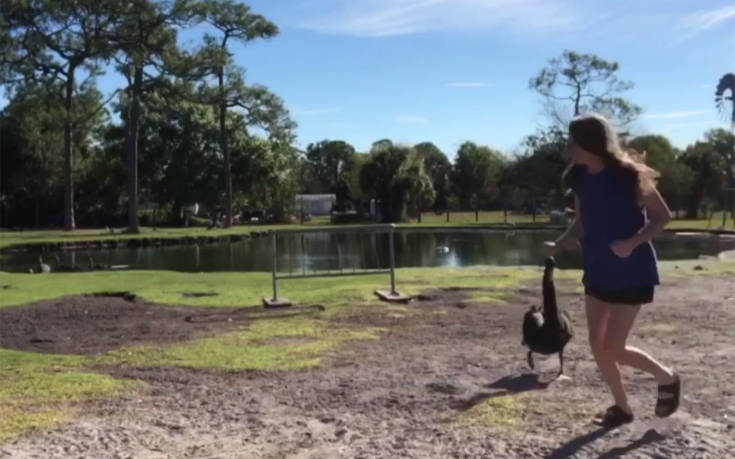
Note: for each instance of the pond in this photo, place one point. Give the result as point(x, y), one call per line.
point(354, 250)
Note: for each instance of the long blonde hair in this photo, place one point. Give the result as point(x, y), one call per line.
point(595, 134)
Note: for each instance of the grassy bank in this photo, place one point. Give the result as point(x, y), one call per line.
point(429, 219)
point(486, 218)
point(247, 288)
point(11, 238)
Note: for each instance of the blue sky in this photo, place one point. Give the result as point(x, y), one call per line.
point(448, 71)
point(453, 70)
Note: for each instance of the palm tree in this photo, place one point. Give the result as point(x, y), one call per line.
point(419, 189)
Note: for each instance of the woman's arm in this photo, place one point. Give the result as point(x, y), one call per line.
point(575, 231)
point(569, 238)
point(659, 216)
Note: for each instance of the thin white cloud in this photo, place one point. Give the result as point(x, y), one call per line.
point(674, 115)
point(409, 119)
point(560, 20)
point(703, 20)
point(467, 84)
point(692, 124)
point(317, 111)
point(382, 18)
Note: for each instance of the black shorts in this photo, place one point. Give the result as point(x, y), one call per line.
point(633, 296)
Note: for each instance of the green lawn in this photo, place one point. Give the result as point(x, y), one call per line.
point(245, 288)
point(703, 224)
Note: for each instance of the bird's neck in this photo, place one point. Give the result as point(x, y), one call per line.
point(549, 292)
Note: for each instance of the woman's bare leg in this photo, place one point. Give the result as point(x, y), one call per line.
point(598, 325)
point(619, 325)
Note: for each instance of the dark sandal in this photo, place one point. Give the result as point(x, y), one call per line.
point(615, 416)
point(668, 398)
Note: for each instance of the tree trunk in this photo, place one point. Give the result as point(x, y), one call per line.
point(391, 209)
point(695, 202)
point(730, 197)
point(36, 210)
point(225, 147)
point(176, 211)
point(132, 147)
point(69, 224)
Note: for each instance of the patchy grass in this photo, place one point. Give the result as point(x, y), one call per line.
point(37, 388)
point(499, 411)
point(159, 286)
point(670, 269)
point(689, 268)
point(15, 421)
point(246, 350)
point(35, 378)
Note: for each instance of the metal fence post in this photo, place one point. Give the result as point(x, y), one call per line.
point(275, 257)
point(392, 264)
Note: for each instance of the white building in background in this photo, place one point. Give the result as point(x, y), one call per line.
point(316, 204)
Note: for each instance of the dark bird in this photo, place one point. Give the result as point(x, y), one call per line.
point(547, 331)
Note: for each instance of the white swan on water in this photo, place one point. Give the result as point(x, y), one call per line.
point(442, 249)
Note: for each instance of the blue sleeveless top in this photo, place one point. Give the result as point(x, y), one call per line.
point(610, 212)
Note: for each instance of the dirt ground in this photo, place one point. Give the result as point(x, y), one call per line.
point(103, 322)
point(448, 381)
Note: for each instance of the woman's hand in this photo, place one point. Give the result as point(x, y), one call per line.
point(570, 239)
point(550, 248)
point(623, 248)
point(564, 243)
